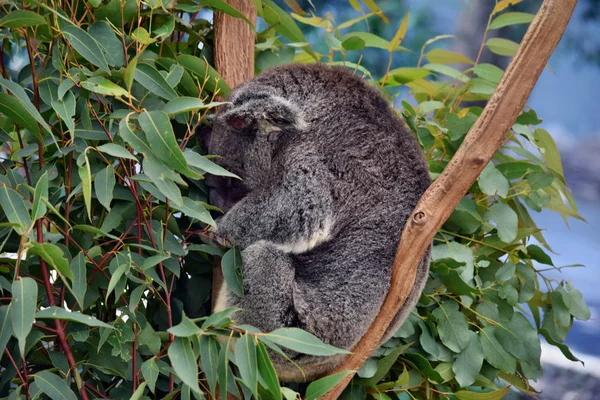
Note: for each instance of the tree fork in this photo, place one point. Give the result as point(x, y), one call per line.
point(476, 151)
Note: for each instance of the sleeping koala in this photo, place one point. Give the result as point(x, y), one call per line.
point(329, 177)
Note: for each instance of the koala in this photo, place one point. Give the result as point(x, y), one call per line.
point(329, 175)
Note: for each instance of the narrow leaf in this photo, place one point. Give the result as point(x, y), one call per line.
point(105, 185)
point(15, 210)
point(245, 359)
point(159, 131)
point(321, 386)
point(22, 309)
point(54, 256)
point(62, 314)
point(54, 386)
point(148, 76)
point(21, 18)
point(302, 342)
point(41, 192)
point(184, 363)
point(86, 45)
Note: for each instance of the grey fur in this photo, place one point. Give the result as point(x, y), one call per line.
point(329, 177)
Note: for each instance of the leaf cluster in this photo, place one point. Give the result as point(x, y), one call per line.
point(105, 285)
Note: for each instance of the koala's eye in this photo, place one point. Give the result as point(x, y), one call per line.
point(237, 122)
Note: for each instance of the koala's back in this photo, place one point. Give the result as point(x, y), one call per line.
point(378, 164)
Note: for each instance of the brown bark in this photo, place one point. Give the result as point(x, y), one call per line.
point(234, 60)
point(478, 148)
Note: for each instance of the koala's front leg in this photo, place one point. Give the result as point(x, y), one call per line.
point(297, 209)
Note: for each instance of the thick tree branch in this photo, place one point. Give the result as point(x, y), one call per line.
point(478, 148)
point(234, 60)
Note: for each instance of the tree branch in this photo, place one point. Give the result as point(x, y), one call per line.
point(478, 148)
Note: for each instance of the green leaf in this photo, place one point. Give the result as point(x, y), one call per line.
point(452, 326)
point(148, 76)
point(222, 6)
point(465, 218)
point(139, 392)
point(185, 328)
point(166, 29)
point(369, 40)
point(15, 210)
point(129, 73)
point(54, 386)
point(184, 363)
point(79, 279)
point(22, 310)
point(161, 138)
point(150, 373)
point(549, 150)
point(21, 18)
point(209, 359)
point(54, 256)
point(156, 171)
point(468, 395)
point(506, 272)
point(116, 151)
point(201, 69)
point(456, 252)
point(400, 33)
point(185, 104)
point(104, 86)
point(280, 21)
point(174, 76)
point(62, 314)
point(423, 365)
point(196, 160)
point(85, 174)
point(231, 265)
point(104, 184)
point(19, 93)
point(574, 301)
point(489, 72)
point(427, 106)
point(502, 47)
point(442, 56)
point(302, 342)
point(492, 182)
point(267, 371)
point(223, 368)
point(134, 137)
point(245, 359)
point(110, 43)
point(195, 209)
point(353, 43)
point(506, 221)
point(469, 362)
point(6, 329)
point(41, 192)
point(562, 347)
point(86, 45)
point(494, 353)
point(321, 386)
point(13, 109)
point(536, 253)
point(120, 266)
point(511, 18)
point(520, 339)
point(384, 365)
point(65, 109)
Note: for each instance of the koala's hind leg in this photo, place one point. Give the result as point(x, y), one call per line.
point(267, 302)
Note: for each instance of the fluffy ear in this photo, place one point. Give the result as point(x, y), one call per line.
point(262, 114)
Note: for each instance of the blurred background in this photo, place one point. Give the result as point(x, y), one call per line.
point(565, 97)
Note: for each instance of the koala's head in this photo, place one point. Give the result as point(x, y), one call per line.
point(246, 134)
